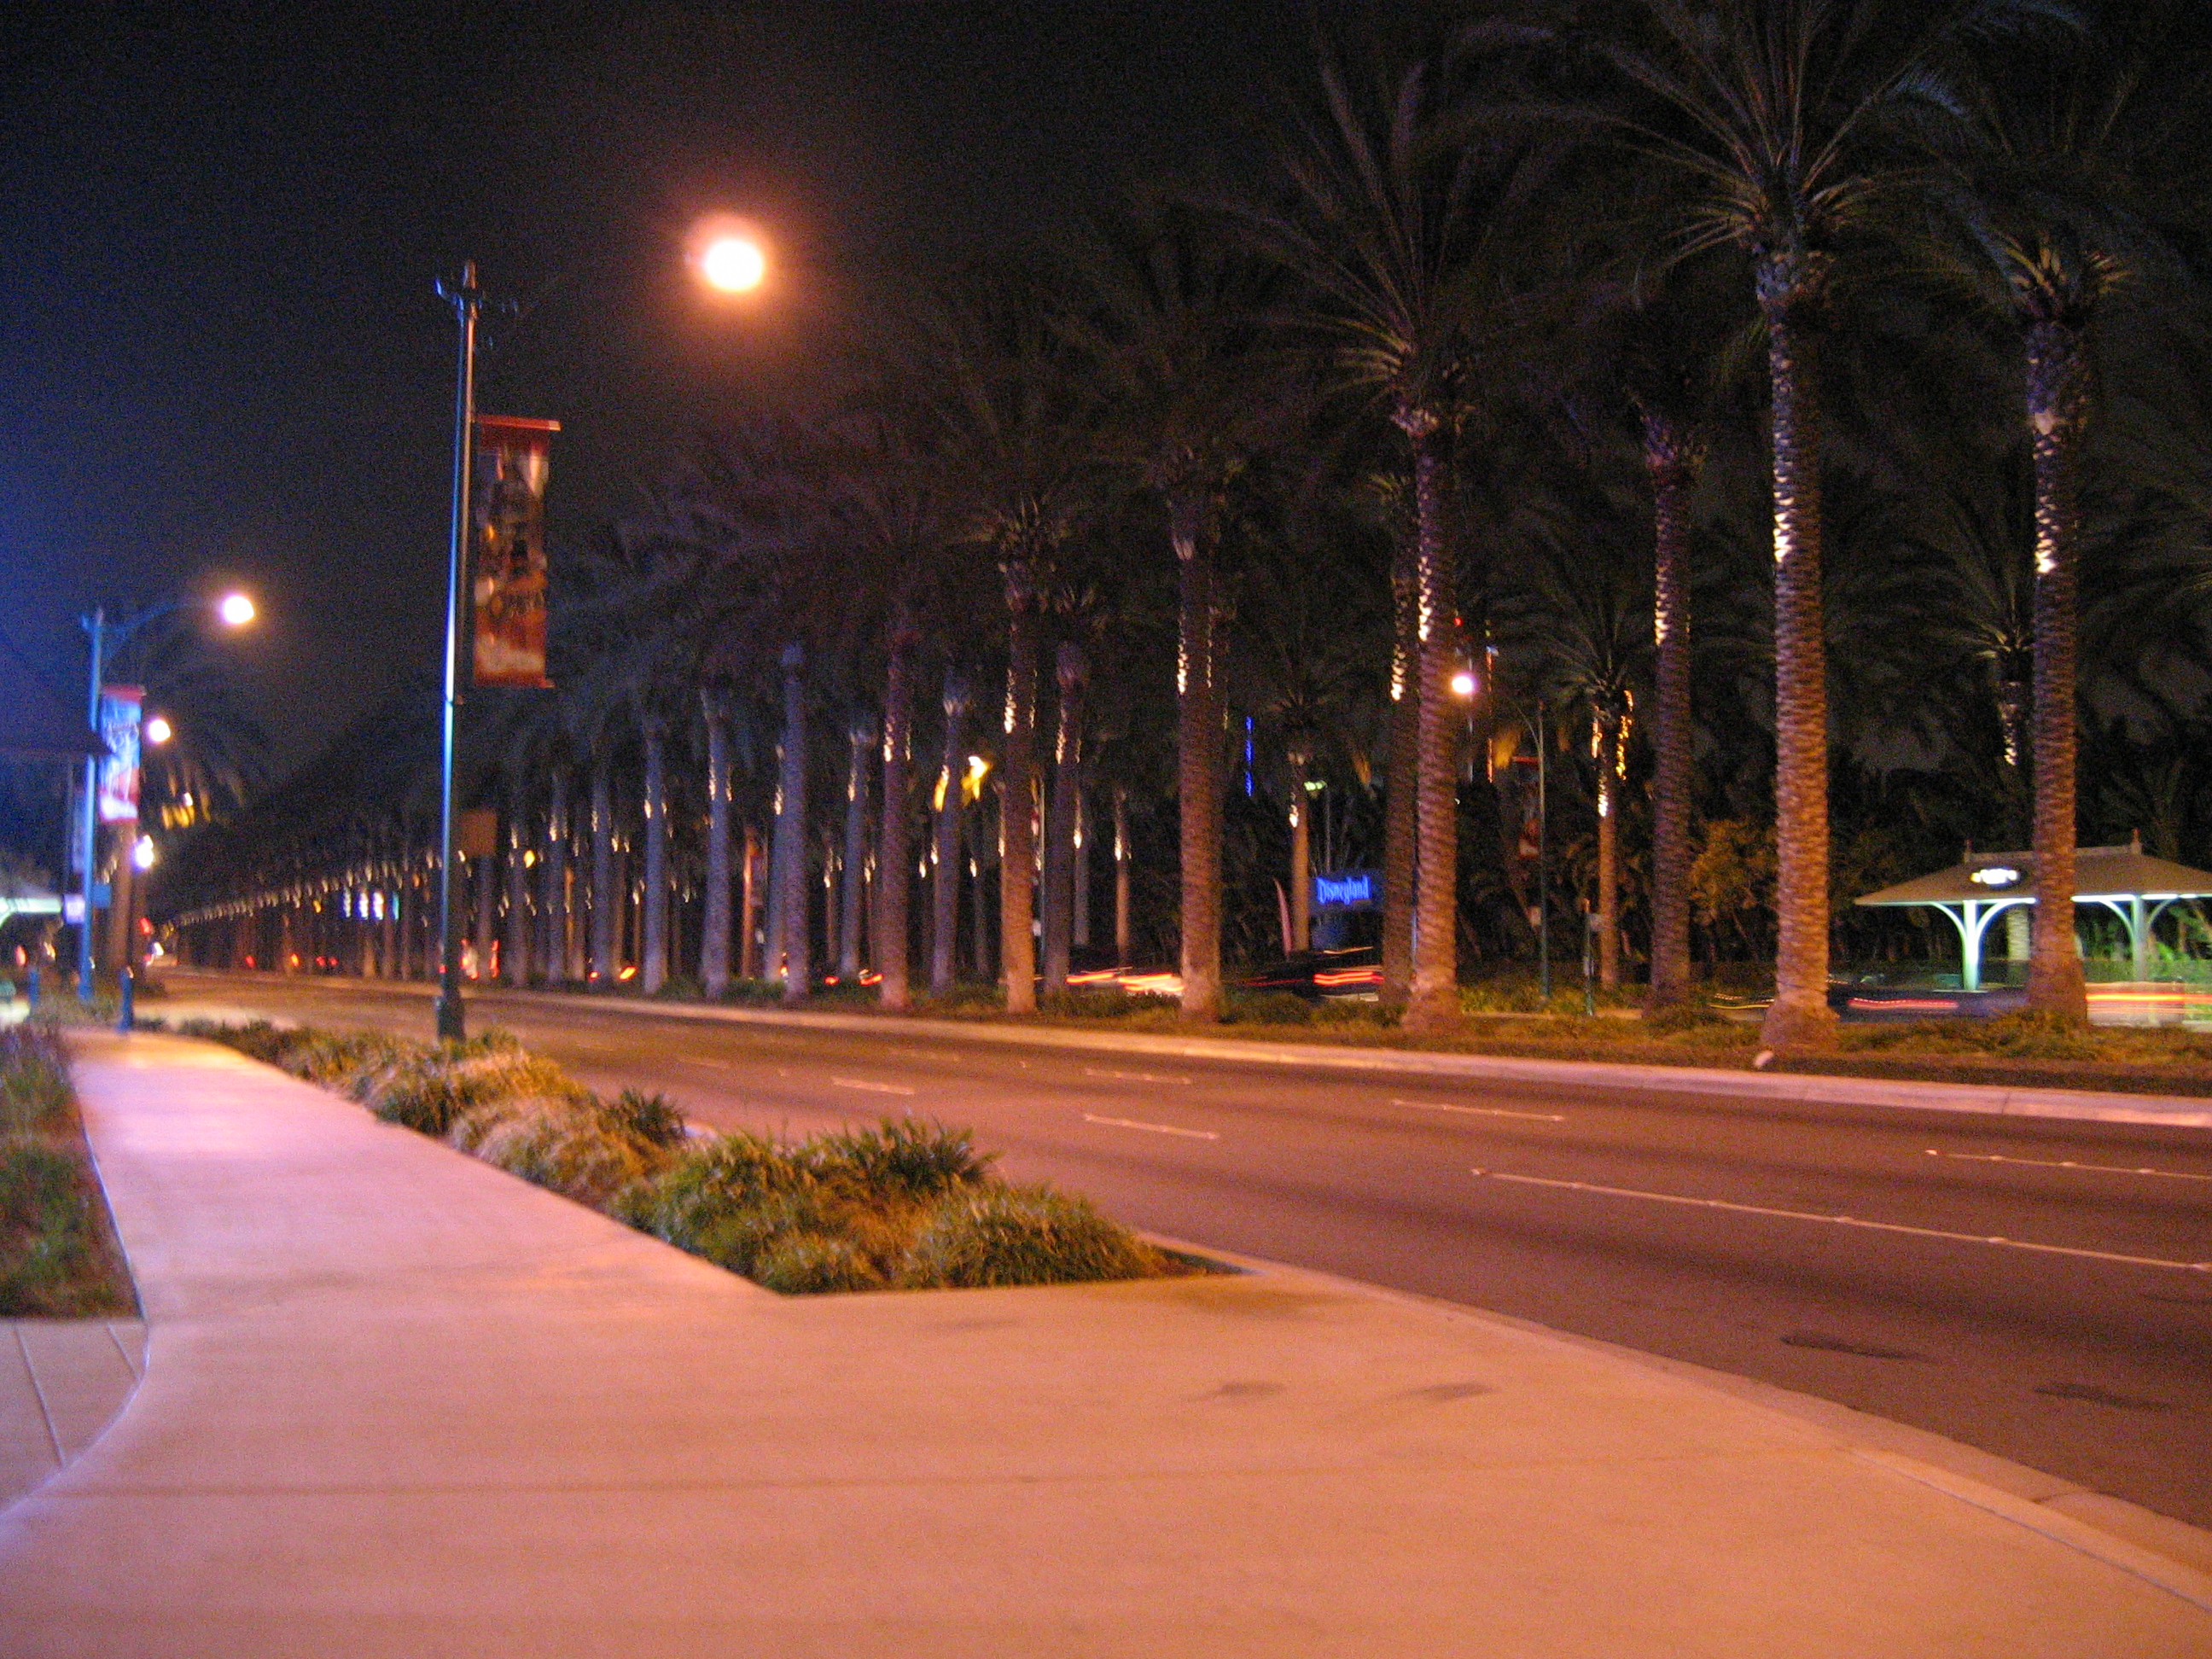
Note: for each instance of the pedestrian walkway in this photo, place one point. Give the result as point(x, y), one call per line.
point(397, 1403)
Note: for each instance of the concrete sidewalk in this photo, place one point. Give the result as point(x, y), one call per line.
point(397, 1403)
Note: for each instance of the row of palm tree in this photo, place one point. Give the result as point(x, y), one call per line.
point(1469, 386)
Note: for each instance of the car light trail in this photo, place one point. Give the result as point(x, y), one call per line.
point(871, 1088)
point(1132, 1076)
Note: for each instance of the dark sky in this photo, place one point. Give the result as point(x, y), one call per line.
point(220, 355)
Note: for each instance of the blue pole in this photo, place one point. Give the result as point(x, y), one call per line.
point(467, 300)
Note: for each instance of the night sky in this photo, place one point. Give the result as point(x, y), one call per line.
point(220, 355)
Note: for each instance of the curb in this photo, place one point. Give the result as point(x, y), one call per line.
point(2172, 1555)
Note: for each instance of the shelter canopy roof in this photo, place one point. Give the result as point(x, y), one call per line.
point(2099, 872)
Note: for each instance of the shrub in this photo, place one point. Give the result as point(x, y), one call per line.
point(1684, 1017)
point(906, 1159)
point(648, 1118)
point(704, 1187)
point(34, 1092)
point(809, 1264)
point(565, 1150)
point(1266, 1008)
point(50, 1265)
point(1021, 1236)
point(428, 1089)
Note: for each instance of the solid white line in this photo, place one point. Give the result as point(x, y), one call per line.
point(871, 1088)
point(1479, 1111)
point(1132, 1076)
point(2069, 1164)
point(1156, 1128)
point(1846, 1221)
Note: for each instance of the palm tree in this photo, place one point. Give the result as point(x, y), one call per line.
point(1171, 318)
point(2061, 188)
point(1008, 407)
point(1402, 240)
point(1072, 672)
point(1762, 111)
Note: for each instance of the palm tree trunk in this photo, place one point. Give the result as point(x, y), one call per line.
point(487, 881)
point(893, 885)
point(553, 898)
point(606, 901)
point(1674, 455)
point(1120, 876)
point(2058, 411)
point(653, 971)
point(1800, 1016)
point(515, 965)
point(748, 966)
point(852, 889)
point(1301, 855)
point(1060, 820)
point(791, 833)
point(1401, 766)
point(946, 859)
point(714, 939)
point(1198, 741)
point(1018, 799)
point(1432, 1000)
point(1608, 849)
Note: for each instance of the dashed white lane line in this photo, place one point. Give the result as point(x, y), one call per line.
point(1845, 1221)
point(871, 1088)
point(1155, 1129)
point(718, 1065)
point(2069, 1164)
point(1479, 1111)
point(1132, 1076)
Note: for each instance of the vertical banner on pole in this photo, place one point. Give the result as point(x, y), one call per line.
point(120, 706)
point(506, 550)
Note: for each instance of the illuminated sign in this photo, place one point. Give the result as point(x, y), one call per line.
point(1347, 890)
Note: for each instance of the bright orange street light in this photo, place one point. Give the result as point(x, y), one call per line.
point(158, 729)
point(730, 255)
point(235, 609)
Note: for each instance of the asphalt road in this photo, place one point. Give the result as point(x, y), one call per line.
point(2020, 1286)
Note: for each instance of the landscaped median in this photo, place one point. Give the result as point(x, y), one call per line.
point(58, 1258)
point(906, 1205)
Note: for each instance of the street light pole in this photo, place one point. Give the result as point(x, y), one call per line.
point(467, 300)
point(96, 625)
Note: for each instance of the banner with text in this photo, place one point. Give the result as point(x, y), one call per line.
point(120, 706)
point(507, 549)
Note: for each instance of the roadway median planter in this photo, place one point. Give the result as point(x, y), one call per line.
point(906, 1204)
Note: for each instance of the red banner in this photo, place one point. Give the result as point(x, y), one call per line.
point(507, 549)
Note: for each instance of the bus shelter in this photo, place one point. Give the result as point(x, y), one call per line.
point(2125, 880)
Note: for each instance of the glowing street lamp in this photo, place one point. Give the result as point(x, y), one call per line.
point(732, 264)
point(235, 609)
point(1462, 683)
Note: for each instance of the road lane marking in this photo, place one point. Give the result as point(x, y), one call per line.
point(1845, 1221)
point(1132, 1076)
point(871, 1088)
point(1479, 1111)
point(1156, 1128)
point(718, 1065)
point(2069, 1164)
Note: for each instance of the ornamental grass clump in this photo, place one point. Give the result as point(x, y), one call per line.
point(1023, 1236)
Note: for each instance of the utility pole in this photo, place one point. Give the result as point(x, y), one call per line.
point(467, 300)
point(96, 625)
